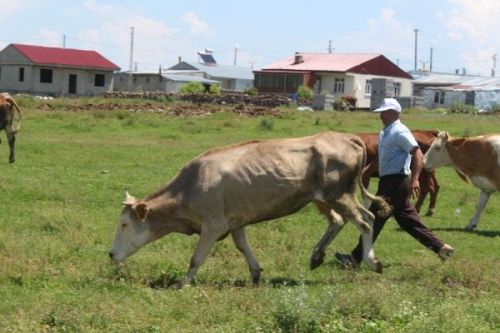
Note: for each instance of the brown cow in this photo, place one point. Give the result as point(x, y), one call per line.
point(223, 190)
point(428, 181)
point(7, 105)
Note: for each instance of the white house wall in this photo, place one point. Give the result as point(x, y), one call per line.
point(85, 84)
point(355, 86)
point(487, 99)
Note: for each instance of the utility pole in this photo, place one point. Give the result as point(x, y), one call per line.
point(251, 63)
point(416, 44)
point(64, 41)
point(235, 52)
point(131, 63)
point(330, 46)
point(430, 65)
point(494, 65)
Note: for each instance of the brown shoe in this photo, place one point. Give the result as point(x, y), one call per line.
point(445, 252)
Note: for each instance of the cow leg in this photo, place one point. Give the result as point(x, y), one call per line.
point(335, 224)
point(210, 233)
point(425, 186)
point(363, 220)
point(12, 140)
point(240, 240)
point(420, 200)
point(350, 209)
point(481, 203)
point(433, 192)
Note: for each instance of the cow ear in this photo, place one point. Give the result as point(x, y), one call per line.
point(141, 210)
point(129, 200)
point(446, 136)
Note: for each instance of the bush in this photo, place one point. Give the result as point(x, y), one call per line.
point(462, 108)
point(341, 105)
point(192, 88)
point(251, 91)
point(304, 92)
point(350, 99)
point(214, 90)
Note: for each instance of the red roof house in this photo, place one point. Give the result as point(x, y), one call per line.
point(337, 74)
point(54, 71)
point(57, 56)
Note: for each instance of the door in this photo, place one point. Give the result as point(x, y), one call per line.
point(72, 84)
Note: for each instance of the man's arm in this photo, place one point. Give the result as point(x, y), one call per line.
point(416, 168)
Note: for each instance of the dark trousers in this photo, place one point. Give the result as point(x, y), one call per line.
point(395, 189)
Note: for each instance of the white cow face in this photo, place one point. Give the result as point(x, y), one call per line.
point(438, 155)
point(132, 232)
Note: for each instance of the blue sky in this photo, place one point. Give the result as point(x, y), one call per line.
point(461, 33)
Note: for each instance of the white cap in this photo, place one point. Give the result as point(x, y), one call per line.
point(389, 104)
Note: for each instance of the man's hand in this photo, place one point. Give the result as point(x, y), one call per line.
point(414, 188)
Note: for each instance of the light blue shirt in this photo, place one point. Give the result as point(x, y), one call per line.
point(395, 142)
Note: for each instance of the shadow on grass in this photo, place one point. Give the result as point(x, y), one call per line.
point(485, 233)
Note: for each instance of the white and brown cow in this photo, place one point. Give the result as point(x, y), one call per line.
point(476, 157)
point(223, 190)
point(7, 105)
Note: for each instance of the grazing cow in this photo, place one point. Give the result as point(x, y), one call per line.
point(7, 105)
point(225, 189)
point(476, 157)
point(428, 181)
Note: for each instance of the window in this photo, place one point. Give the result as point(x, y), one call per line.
point(289, 81)
point(99, 80)
point(397, 89)
point(45, 75)
point(368, 87)
point(21, 74)
point(470, 98)
point(439, 97)
point(339, 86)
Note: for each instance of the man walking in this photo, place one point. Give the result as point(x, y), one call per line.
point(400, 163)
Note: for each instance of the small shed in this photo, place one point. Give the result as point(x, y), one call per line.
point(447, 90)
point(156, 81)
point(230, 77)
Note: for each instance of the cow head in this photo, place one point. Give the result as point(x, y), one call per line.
point(438, 154)
point(133, 231)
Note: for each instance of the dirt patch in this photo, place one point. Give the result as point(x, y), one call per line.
point(189, 110)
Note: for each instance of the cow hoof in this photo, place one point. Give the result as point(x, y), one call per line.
point(176, 286)
point(317, 260)
point(12, 161)
point(470, 228)
point(379, 268)
point(429, 213)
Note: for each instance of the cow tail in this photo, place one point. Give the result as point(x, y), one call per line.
point(384, 209)
point(13, 103)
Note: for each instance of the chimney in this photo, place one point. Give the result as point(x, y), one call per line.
point(180, 59)
point(298, 58)
point(464, 72)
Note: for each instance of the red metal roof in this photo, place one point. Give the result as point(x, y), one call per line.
point(362, 63)
point(42, 55)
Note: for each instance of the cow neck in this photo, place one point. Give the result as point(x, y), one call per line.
point(462, 153)
point(166, 212)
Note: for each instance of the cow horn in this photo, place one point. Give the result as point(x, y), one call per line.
point(129, 200)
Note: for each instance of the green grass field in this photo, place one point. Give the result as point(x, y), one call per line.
point(60, 203)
